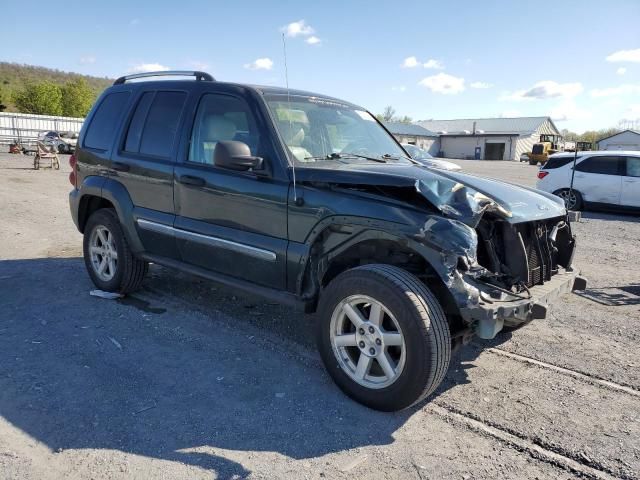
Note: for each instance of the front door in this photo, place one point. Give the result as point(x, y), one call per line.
point(599, 180)
point(230, 222)
point(630, 196)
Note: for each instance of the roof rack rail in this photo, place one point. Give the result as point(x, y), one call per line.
point(200, 76)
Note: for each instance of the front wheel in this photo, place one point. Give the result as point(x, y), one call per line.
point(107, 256)
point(62, 148)
point(383, 336)
point(572, 198)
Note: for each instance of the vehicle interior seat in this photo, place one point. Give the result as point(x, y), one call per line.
point(293, 136)
point(214, 128)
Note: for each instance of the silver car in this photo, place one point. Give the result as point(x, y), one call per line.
point(425, 158)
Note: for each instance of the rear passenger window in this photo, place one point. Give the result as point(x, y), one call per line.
point(154, 124)
point(105, 121)
point(604, 165)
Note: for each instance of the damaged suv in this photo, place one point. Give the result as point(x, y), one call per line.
point(309, 200)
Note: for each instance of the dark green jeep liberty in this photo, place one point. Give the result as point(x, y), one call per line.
point(309, 200)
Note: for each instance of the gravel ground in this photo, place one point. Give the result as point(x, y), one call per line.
point(189, 379)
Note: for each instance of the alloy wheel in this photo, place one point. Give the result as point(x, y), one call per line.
point(367, 341)
point(104, 256)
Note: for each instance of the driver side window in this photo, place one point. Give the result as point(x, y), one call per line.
point(221, 118)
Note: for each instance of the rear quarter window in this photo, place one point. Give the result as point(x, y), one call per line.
point(556, 162)
point(105, 121)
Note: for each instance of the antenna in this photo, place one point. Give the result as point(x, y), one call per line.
point(286, 79)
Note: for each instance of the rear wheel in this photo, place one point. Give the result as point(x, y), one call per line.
point(107, 256)
point(572, 198)
point(533, 162)
point(383, 336)
point(62, 148)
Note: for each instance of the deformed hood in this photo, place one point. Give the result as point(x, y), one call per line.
point(457, 195)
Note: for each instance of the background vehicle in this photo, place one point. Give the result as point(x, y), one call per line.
point(63, 142)
point(199, 176)
point(602, 179)
point(548, 145)
point(428, 160)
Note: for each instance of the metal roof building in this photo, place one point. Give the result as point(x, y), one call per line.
point(414, 134)
point(626, 140)
point(489, 138)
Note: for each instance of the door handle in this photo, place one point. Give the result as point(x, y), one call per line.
point(120, 167)
point(191, 180)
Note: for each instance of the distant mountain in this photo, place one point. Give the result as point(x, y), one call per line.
point(13, 76)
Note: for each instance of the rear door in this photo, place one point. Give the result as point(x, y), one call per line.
point(630, 196)
point(599, 179)
point(144, 162)
point(231, 222)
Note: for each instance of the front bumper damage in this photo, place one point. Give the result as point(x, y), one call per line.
point(497, 308)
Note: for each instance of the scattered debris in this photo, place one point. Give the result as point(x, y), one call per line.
point(115, 342)
point(106, 295)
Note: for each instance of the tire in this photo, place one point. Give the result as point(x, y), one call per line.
point(533, 162)
point(126, 272)
point(572, 203)
point(62, 148)
point(421, 361)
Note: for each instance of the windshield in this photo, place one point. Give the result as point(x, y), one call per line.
point(318, 130)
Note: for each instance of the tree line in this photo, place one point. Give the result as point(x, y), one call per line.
point(73, 99)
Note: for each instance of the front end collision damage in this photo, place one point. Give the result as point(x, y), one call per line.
point(461, 222)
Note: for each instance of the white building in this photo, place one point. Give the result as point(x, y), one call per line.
point(489, 138)
point(627, 140)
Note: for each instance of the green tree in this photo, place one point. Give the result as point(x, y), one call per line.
point(44, 98)
point(77, 98)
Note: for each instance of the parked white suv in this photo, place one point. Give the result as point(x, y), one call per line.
point(602, 179)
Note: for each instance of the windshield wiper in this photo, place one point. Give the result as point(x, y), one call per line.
point(398, 157)
point(338, 156)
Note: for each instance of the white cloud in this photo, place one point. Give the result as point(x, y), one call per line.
point(511, 114)
point(410, 62)
point(313, 40)
point(148, 67)
point(568, 110)
point(399, 88)
point(621, 71)
point(480, 85)
point(260, 64)
point(615, 91)
point(625, 56)
point(545, 89)
point(88, 59)
point(443, 83)
point(435, 64)
point(295, 29)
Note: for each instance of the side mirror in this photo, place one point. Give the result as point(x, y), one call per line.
point(235, 156)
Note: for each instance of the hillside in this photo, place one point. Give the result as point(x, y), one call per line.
point(13, 76)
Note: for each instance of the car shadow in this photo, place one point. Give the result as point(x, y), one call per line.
point(191, 385)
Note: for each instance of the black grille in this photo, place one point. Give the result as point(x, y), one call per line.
point(539, 253)
point(538, 149)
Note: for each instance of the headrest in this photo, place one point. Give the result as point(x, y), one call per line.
point(217, 128)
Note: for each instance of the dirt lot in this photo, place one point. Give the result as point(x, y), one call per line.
point(188, 379)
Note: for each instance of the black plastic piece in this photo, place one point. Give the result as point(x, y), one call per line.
point(538, 311)
point(580, 283)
